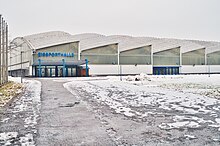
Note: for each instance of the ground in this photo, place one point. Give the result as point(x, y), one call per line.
point(8, 91)
point(139, 110)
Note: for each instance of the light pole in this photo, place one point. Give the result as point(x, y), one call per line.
point(21, 67)
point(10, 66)
point(209, 70)
point(208, 62)
point(121, 72)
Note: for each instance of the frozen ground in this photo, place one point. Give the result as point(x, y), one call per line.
point(155, 110)
point(18, 121)
point(168, 109)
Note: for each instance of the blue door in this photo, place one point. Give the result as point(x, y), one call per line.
point(165, 70)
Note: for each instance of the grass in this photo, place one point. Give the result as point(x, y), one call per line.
point(8, 91)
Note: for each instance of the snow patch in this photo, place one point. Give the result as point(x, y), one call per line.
point(7, 137)
point(177, 125)
point(190, 137)
point(180, 94)
point(5, 120)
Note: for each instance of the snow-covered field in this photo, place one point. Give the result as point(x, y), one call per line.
point(139, 110)
point(191, 100)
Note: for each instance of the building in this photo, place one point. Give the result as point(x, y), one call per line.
point(54, 54)
point(50, 54)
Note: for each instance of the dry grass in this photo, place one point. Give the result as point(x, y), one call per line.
point(8, 91)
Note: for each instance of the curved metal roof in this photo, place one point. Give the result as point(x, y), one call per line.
point(162, 44)
point(210, 46)
point(186, 45)
point(93, 40)
point(42, 40)
point(128, 42)
point(84, 36)
point(158, 44)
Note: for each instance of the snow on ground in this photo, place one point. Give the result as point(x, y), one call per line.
point(24, 112)
point(15, 79)
point(193, 97)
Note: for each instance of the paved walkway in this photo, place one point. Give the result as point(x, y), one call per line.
point(65, 120)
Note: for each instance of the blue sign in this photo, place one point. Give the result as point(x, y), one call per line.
point(55, 54)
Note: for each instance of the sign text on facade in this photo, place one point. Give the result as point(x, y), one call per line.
point(55, 54)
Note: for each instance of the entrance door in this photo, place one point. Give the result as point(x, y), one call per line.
point(165, 70)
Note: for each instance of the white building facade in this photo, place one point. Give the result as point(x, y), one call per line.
point(56, 54)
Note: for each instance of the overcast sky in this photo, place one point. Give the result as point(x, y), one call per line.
point(187, 19)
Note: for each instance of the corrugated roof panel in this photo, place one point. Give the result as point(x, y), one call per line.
point(128, 42)
point(158, 44)
point(92, 40)
point(85, 36)
point(46, 39)
point(211, 46)
point(186, 45)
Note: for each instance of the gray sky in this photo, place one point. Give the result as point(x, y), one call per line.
point(187, 19)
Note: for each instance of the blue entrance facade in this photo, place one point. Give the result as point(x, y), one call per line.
point(165, 70)
point(60, 68)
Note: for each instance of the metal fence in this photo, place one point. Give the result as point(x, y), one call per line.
point(3, 51)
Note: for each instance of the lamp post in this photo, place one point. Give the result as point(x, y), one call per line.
point(10, 66)
point(21, 67)
point(120, 72)
point(208, 63)
point(209, 70)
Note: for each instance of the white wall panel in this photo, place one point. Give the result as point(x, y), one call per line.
point(214, 68)
point(114, 69)
point(194, 69)
point(132, 69)
point(103, 69)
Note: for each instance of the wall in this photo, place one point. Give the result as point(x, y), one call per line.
point(101, 55)
point(64, 48)
point(137, 56)
point(114, 69)
point(214, 68)
point(213, 58)
point(132, 69)
point(200, 69)
point(196, 57)
point(167, 57)
point(15, 55)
